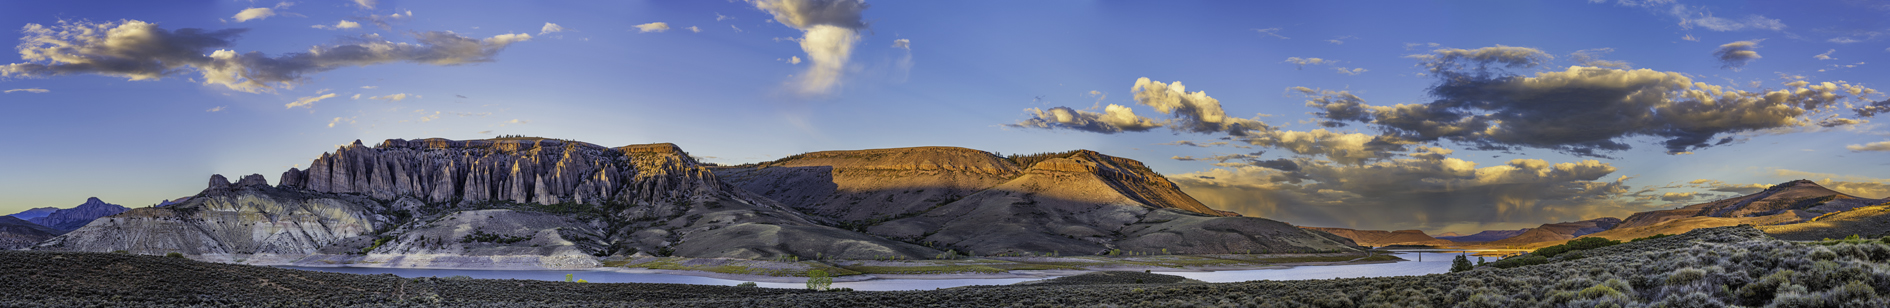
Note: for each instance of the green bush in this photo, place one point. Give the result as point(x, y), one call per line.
point(1520, 261)
point(819, 280)
point(174, 255)
point(1577, 244)
point(746, 284)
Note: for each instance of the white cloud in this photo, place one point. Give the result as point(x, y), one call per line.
point(695, 29)
point(552, 28)
point(254, 13)
point(28, 90)
point(139, 50)
point(367, 4)
point(356, 96)
point(1691, 16)
point(218, 108)
point(386, 21)
point(794, 60)
point(394, 97)
point(1352, 72)
point(308, 101)
point(1302, 62)
point(830, 31)
point(1825, 56)
point(737, 29)
point(1113, 119)
point(1880, 146)
point(653, 27)
point(902, 44)
point(340, 25)
point(1592, 57)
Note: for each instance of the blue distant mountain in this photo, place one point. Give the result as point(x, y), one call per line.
point(75, 217)
point(35, 213)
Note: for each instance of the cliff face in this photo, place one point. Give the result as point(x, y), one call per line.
point(1079, 202)
point(441, 203)
point(231, 221)
point(75, 217)
point(1379, 238)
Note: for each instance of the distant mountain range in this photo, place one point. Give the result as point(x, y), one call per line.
point(536, 202)
point(1485, 236)
point(78, 216)
point(1376, 238)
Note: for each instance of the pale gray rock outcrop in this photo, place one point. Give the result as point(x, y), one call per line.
point(17, 233)
point(231, 221)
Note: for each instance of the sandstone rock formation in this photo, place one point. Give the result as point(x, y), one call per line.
point(17, 233)
point(1078, 202)
point(1379, 238)
point(78, 216)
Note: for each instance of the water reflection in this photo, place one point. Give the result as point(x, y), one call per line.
point(1435, 261)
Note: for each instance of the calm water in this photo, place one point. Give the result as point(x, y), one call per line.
point(1435, 261)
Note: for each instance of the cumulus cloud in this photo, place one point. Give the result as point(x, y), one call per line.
point(254, 13)
point(555, 28)
point(830, 29)
point(1113, 119)
point(650, 27)
point(27, 90)
point(394, 97)
point(308, 101)
point(339, 25)
point(1678, 196)
point(1583, 111)
point(1825, 56)
point(139, 50)
point(1592, 57)
point(794, 60)
point(1195, 112)
point(1448, 191)
point(1735, 55)
point(1880, 146)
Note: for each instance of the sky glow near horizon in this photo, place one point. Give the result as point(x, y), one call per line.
point(1358, 114)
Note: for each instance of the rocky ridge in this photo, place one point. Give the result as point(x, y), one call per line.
point(17, 233)
point(1561, 231)
point(1485, 236)
point(1379, 238)
point(78, 216)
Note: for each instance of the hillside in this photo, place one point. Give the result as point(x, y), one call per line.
point(1872, 221)
point(1379, 238)
point(16, 233)
point(1078, 202)
point(1557, 232)
point(1800, 198)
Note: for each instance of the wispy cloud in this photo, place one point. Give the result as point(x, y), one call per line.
point(254, 13)
point(308, 101)
point(1825, 56)
point(830, 29)
point(1880, 146)
point(394, 97)
point(1735, 55)
point(1273, 32)
point(339, 25)
point(29, 90)
point(216, 109)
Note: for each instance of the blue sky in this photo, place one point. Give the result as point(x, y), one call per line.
point(729, 90)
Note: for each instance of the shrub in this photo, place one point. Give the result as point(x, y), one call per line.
point(1520, 261)
point(819, 280)
point(174, 255)
point(746, 284)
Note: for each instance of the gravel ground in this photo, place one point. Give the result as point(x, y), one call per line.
point(1714, 267)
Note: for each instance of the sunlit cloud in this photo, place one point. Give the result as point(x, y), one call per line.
point(550, 28)
point(1302, 62)
point(254, 13)
point(1880, 146)
point(139, 50)
point(308, 101)
point(1113, 119)
point(1592, 57)
point(830, 29)
point(28, 90)
point(1825, 56)
point(386, 21)
point(394, 97)
point(216, 109)
point(694, 29)
point(653, 27)
point(367, 4)
point(1700, 16)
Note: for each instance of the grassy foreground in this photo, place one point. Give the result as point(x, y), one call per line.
point(1713, 267)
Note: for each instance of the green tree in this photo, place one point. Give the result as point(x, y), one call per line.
point(819, 280)
point(1460, 264)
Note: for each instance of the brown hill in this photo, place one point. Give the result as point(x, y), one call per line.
point(1558, 232)
point(1078, 202)
point(1379, 238)
point(1795, 197)
point(1797, 209)
point(1485, 236)
point(17, 233)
